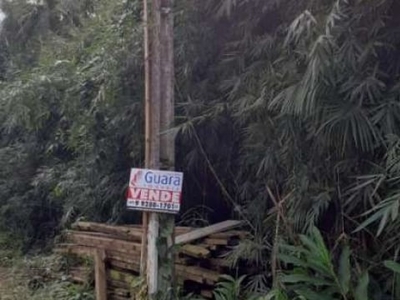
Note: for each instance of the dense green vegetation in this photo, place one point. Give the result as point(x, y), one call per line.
point(288, 117)
point(71, 113)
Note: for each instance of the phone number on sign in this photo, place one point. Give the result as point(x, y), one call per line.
point(153, 205)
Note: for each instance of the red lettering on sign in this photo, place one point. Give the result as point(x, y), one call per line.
point(176, 197)
point(154, 195)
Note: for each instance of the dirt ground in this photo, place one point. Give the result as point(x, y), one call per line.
point(4, 281)
point(11, 287)
point(3, 277)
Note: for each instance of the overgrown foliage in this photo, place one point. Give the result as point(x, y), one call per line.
point(287, 117)
point(292, 107)
point(314, 273)
point(71, 123)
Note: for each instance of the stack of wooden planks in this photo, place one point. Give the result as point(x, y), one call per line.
point(199, 258)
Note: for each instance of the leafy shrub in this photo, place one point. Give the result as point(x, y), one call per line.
point(313, 274)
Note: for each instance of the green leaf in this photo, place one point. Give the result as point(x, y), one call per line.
point(311, 295)
point(396, 283)
point(395, 267)
point(395, 210)
point(275, 294)
point(294, 249)
point(344, 270)
point(361, 292)
point(301, 278)
point(321, 245)
point(291, 259)
point(319, 266)
point(312, 246)
point(369, 221)
point(383, 222)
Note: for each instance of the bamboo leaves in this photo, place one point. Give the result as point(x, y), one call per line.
point(313, 272)
point(395, 267)
point(345, 270)
point(384, 212)
point(361, 291)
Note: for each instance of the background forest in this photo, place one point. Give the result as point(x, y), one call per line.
point(288, 117)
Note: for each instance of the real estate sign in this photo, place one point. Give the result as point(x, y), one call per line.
point(154, 190)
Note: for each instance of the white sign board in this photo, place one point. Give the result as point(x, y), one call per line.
point(154, 190)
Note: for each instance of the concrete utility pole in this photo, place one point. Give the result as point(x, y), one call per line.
point(160, 141)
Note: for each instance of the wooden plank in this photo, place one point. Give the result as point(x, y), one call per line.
point(139, 226)
point(121, 292)
point(206, 231)
point(136, 228)
point(207, 274)
point(121, 276)
point(74, 249)
point(117, 284)
point(185, 276)
point(91, 233)
point(128, 256)
point(133, 257)
point(207, 246)
point(195, 251)
point(116, 231)
point(183, 260)
point(216, 242)
point(230, 234)
point(197, 274)
point(182, 229)
point(100, 275)
point(131, 266)
point(103, 243)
